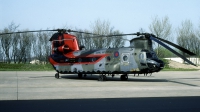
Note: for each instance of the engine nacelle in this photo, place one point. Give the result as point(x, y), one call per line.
point(64, 43)
point(64, 49)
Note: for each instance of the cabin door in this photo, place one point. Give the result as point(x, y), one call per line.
point(125, 62)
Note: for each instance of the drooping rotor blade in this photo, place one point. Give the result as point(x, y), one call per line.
point(26, 31)
point(173, 51)
point(176, 46)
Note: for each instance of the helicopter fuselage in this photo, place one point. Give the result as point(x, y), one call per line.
point(125, 60)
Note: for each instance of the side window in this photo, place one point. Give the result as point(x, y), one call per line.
point(108, 58)
point(141, 56)
point(125, 57)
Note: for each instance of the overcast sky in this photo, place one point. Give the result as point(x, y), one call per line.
point(128, 16)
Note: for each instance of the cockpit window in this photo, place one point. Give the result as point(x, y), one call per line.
point(154, 55)
point(149, 55)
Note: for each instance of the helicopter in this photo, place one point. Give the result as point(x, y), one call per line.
point(68, 57)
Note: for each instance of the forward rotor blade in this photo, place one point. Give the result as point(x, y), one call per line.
point(59, 30)
point(25, 32)
point(176, 46)
point(173, 51)
point(69, 30)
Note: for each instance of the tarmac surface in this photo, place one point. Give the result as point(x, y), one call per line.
point(173, 90)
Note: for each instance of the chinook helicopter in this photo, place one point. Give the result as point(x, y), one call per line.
point(68, 57)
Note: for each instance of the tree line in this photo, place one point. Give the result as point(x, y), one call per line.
point(24, 47)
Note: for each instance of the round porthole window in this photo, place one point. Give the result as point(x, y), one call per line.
point(125, 58)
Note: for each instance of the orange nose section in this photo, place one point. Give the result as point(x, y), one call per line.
point(63, 49)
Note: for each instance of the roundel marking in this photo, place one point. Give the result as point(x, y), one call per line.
point(116, 54)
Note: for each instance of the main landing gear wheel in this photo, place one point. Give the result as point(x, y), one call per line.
point(102, 78)
point(80, 75)
point(124, 77)
point(57, 76)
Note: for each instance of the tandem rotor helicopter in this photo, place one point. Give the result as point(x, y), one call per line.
point(68, 57)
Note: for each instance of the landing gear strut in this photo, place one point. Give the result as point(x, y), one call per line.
point(80, 75)
point(102, 77)
point(57, 76)
point(124, 77)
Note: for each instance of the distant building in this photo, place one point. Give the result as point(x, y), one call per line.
point(35, 62)
point(180, 60)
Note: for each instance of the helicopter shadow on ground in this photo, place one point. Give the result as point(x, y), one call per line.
point(41, 77)
point(117, 78)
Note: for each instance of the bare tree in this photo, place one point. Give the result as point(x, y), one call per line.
point(187, 38)
point(84, 39)
point(198, 36)
point(24, 50)
point(198, 46)
point(104, 28)
point(15, 50)
point(41, 46)
point(100, 28)
point(1, 52)
point(6, 41)
point(162, 29)
point(46, 46)
point(116, 41)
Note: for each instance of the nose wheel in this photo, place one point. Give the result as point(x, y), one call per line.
point(57, 76)
point(124, 77)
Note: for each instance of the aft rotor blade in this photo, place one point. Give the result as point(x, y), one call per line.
point(103, 37)
point(107, 36)
point(176, 46)
point(170, 49)
point(138, 33)
point(25, 32)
